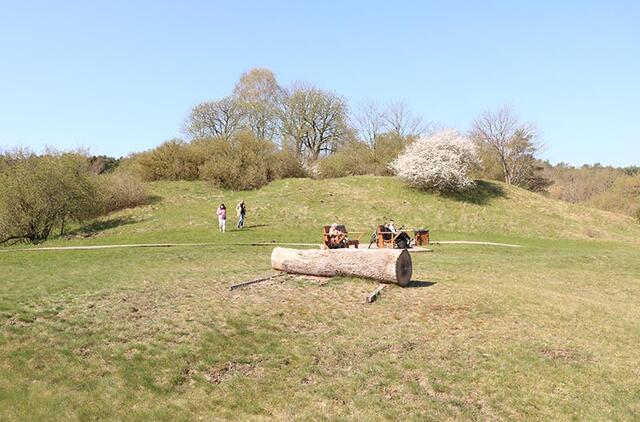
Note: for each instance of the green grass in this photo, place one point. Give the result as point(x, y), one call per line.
point(547, 331)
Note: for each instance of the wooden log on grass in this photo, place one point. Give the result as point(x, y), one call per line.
point(385, 265)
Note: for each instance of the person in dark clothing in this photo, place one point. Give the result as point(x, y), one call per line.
point(337, 237)
point(241, 212)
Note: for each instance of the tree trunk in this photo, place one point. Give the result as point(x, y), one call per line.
point(385, 265)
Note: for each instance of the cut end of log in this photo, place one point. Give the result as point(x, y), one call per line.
point(404, 268)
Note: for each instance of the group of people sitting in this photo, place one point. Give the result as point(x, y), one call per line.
point(337, 236)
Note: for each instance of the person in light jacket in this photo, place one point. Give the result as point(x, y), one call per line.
point(222, 218)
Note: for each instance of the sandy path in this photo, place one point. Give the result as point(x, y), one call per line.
point(170, 245)
point(147, 245)
point(471, 242)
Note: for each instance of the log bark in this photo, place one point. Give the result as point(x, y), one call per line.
point(385, 265)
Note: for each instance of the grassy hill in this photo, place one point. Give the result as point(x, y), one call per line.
point(544, 331)
point(294, 209)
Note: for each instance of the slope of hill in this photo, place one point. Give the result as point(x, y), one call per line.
point(548, 331)
point(294, 210)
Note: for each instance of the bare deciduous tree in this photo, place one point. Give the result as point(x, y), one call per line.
point(214, 118)
point(370, 121)
point(401, 122)
point(315, 119)
point(512, 142)
point(294, 115)
point(259, 96)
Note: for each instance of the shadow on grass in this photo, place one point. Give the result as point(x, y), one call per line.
point(418, 283)
point(96, 227)
point(152, 200)
point(481, 194)
point(252, 226)
point(99, 226)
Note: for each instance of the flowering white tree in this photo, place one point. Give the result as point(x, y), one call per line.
point(439, 162)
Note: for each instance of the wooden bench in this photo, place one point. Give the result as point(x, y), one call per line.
point(422, 236)
point(385, 238)
point(327, 240)
point(388, 239)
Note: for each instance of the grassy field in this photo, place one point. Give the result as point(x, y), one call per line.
point(546, 331)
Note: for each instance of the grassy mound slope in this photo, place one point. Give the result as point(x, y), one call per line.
point(548, 331)
point(294, 210)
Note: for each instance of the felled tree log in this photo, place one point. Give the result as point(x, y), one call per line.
point(385, 265)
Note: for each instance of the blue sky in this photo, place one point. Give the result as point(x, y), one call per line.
point(119, 76)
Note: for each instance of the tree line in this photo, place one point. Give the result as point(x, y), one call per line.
point(262, 131)
point(604, 187)
point(310, 121)
point(302, 130)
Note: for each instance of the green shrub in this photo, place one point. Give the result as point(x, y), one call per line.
point(100, 164)
point(121, 190)
point(173, 160)
point(287, 164)
point(39, 193)
point(623, 196)
point(358, 158)
point(577, 185)
point(203, 149)
point(353, 159)
point(242, 162)
point(4, 163)
point(387, 147)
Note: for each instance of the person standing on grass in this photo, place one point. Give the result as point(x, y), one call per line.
point(241, 211)
point(222, 218)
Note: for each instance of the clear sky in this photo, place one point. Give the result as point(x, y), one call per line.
point(119, 76)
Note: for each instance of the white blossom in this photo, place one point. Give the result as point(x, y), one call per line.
point(439, 162)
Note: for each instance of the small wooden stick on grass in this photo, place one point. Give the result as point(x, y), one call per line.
point(254, 281)
point(373, 296)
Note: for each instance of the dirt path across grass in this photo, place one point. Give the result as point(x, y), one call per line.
point(148, 245)
point(171, 245)
point(471, 242)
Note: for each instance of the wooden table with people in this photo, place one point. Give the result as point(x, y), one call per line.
point(336, 236)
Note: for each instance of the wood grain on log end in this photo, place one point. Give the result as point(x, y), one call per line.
point(404, 268)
